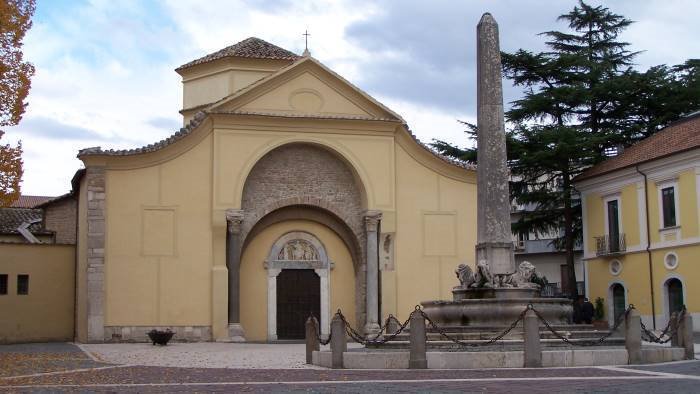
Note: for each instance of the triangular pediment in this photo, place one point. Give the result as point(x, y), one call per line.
point(305, 87)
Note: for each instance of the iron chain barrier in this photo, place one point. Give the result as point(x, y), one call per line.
point(357, 337)
point(472, 344)
point(651, 337)
point(383, 336)
point(599, 341)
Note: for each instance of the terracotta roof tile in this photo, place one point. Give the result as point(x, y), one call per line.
point(679, 136)
point(11, 218)
point(193, 124)
point(252, 47)
point(25, 201)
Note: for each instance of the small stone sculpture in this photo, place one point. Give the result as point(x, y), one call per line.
point(483, 278)
point(465, 276)
point(523, 278)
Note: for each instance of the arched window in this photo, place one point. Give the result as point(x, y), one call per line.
point(674, 287)
point(619, 303)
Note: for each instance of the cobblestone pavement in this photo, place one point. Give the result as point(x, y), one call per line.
point(677, 377)
point(673, 377)
point(24, 359)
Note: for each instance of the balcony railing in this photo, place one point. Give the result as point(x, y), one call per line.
point(540, 246)
point(610, 244)
point(555, 290)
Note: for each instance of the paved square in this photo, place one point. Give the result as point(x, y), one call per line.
point(217, 367)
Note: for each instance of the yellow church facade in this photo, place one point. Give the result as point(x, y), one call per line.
point(641, 226)
point(288, 192)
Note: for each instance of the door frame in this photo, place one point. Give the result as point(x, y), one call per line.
point(274, 265)
point(664, 291)
point(611, 300)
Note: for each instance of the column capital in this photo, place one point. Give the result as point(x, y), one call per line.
point(234, 217)
point(372, 218)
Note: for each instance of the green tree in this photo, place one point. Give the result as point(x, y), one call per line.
point(15, 81)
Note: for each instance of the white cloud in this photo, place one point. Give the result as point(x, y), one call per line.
point(107, 66)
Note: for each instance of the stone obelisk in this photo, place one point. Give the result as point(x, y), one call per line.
point(494, 242)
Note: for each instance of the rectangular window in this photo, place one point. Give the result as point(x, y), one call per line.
point(22, 284)
point(3, 284)
point(613, 225)
point(668, 206)
point(613, 218)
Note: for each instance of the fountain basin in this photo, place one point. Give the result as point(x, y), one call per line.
point(498, 311)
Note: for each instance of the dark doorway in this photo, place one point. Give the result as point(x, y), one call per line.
point(619, 303)
point(298, 296)
point(675, 295)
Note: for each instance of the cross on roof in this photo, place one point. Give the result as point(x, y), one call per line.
point(306, 42)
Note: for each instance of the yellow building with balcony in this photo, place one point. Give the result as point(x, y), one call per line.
point(641, 226)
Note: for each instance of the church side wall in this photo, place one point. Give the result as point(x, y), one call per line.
point(158, 247)
point(435, 231)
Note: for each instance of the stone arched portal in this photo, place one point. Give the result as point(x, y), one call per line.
point(306, 176)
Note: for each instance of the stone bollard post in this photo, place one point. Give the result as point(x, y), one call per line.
point(688, 343)
point(417, 338)
point(311, 338)
point(391, 325)
point(633, 337)
point(674, 327)
point(533, 347)
point(339, 344)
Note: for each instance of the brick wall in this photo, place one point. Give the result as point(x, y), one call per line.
point(301, 174)
point(61, 218)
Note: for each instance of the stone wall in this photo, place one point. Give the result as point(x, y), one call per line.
point(60, 217)
point(302, 174)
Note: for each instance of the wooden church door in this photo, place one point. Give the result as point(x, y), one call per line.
point(298, 296)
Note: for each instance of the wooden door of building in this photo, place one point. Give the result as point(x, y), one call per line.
point(675, 295)
point(619, 301)
point(298, 296)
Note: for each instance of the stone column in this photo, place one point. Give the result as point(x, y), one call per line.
point(633, 337)
point(372, 219)
point(312, 343)
point(417, 340)
point(272, 303)
point(494, 242)
point(96, 199)
point(687, 332)
point(325, 323)
point(533, 347)
point(339, 343)
point(234, 219)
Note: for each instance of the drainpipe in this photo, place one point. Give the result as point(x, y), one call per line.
point(651, 271)
point(23, 229)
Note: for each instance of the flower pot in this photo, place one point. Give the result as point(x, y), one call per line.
point(160, 337)
point(600, 324)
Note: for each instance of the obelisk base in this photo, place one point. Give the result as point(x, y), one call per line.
point(498, 255)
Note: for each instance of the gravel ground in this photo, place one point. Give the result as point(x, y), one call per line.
point(203, 355)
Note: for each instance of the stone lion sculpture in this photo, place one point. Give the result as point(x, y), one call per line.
point(523, 277)
point(465, 276)
point(483, 276)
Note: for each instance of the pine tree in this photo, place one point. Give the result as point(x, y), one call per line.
point(15, 81)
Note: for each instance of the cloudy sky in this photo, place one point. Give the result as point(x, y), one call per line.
point(105, 68)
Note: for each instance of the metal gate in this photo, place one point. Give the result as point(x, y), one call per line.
point(298, 296)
